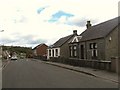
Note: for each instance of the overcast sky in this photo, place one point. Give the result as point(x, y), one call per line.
point(31, 22)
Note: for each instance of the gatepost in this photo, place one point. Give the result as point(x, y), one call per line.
point(114, 64)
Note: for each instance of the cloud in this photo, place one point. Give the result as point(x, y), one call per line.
point(7, 41)
point(58, 15)
point(81, 22)
point(20, 19)
point(41, 9)
point(28, 40)
point(27, 22)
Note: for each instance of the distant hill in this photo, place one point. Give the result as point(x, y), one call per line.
point(18, 50)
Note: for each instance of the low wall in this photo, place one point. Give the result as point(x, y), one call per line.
point(96, 64)
point(40, 57)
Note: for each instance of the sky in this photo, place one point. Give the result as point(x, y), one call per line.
point(31, 22)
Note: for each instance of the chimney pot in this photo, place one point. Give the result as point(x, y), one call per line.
point(88, 24)
point(75, 32)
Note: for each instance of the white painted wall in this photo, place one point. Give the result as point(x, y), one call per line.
point(48, 57)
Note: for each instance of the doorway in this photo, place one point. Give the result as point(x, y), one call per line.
point(82, 51)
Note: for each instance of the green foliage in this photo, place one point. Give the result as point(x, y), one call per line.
point(18, 49)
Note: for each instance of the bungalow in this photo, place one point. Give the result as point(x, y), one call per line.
point(99, 42)
point(60, 48)
point(40, 50)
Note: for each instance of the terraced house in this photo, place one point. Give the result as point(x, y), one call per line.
point(98, 42)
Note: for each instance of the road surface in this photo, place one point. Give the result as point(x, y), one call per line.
point(36, 74)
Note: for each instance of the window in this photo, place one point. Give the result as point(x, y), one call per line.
point(93, 47)
point(53, 52)
point(56, 51)
point(75, 50)
point(49, 52)
point(82, 51)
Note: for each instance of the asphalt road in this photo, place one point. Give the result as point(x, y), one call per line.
point(34, 74)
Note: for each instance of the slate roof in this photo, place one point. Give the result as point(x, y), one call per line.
point(99, 30)
point(61, 41)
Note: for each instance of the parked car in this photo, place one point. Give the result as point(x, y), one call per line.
point(14, 58)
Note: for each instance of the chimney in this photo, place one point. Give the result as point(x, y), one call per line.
point(88, 24)
point(75, 32)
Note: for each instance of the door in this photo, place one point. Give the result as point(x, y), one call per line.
point(82, 51)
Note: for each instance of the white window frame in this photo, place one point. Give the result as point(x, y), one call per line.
point(75, 50)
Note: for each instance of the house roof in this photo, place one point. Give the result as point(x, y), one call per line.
point(39, 46)
point(99, 30)
point(61, 41)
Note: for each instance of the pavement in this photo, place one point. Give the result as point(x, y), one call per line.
point(90, 71)
point(3, 63)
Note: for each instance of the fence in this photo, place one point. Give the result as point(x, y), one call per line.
point(97, 64)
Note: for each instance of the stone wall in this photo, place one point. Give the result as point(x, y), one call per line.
point(96, 64)
point(111, 48)
point(100, 49)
